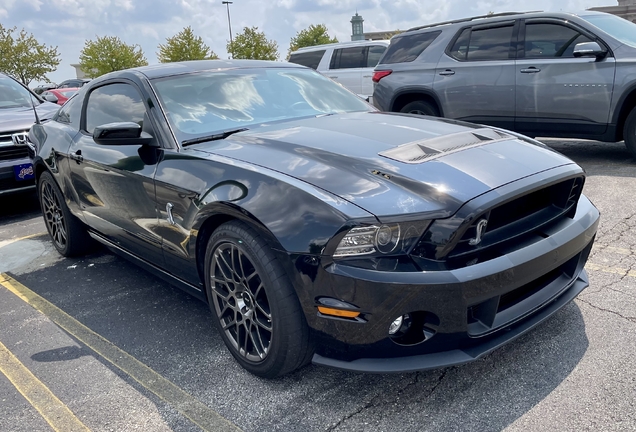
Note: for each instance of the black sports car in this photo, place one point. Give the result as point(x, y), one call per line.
point(316, 228)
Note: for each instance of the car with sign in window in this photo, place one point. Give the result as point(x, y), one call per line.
point(315, 227)
point(17, 114)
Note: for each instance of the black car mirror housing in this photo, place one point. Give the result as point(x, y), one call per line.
point(122, 133)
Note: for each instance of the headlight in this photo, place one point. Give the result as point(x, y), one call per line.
point(395, 238)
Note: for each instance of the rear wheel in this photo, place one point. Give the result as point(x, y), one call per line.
point(68, 233)
point(254, 305)
point(421, 108)
point(629, 132)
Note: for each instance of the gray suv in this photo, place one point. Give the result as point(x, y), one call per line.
point(540, 74)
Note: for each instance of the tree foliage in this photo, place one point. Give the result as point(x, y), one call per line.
point(252, 44)
point(184, 46)
point(108, 54)
point(312, 35)
point(24, 58)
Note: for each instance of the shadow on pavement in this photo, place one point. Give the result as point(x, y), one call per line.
point(173, 334)
point(18, 207)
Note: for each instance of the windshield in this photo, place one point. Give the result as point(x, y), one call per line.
point(619, 28)
point(209, 102)
point(13, 95)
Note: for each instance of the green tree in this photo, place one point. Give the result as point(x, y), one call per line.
point(312, 35)
point(24, 58)
point(108, 54)
point(184, 46)
point(252, 44)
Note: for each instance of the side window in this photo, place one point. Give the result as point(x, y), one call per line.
point(70, 113)
point(310, 59)
point(348, 58)
point(483, 44)
point(551, 40)
point(374, 54)
point(409, 47)
point(114, 103)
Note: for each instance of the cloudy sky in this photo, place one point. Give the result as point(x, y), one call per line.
point(69, 23)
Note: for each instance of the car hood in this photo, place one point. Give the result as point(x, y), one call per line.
point(358, 157)
point(13, 119)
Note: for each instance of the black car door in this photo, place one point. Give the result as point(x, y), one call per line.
point(114, 183)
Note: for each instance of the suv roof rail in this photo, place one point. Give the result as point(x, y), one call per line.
point(470, 19)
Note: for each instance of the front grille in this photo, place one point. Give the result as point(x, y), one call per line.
point(508, 226)
point(13, 152)
point(9, 151)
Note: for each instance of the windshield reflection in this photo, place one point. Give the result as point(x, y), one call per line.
point(13, 95)
point(208, 102)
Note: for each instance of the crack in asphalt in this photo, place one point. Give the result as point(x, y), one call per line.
point(630, 319)
point(372, 402)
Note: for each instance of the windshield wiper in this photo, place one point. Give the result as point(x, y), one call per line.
point(217, 136)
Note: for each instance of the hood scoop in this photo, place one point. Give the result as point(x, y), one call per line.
point(417, 152)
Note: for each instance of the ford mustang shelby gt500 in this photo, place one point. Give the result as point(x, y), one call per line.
point(316, 228)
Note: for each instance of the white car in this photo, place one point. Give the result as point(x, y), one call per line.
point(349, 63)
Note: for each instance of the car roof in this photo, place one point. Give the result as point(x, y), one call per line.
point(343, 44)
point(504, 16)
point(178, 68)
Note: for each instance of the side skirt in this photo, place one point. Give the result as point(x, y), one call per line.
point(151, 268)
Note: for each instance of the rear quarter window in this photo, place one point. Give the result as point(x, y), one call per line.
point(310, 59)
point(408, 47)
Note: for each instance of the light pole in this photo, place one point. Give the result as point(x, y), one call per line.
point(229, 23)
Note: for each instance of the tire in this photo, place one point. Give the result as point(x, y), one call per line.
point(629, 132)
point(68, 233)
point(254, 305)
point(421, 108)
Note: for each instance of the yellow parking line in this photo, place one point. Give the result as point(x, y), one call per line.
point(43, 400)
point(199, 413)
point(612, 270)
point(8, 242)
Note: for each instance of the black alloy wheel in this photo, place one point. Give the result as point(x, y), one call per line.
point(420, 108)
point(68, 234)
point(255, 307)
point(240, 302)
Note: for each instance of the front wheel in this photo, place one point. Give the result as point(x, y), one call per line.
point(629, 132)
point(68, 233)
point(255, 307)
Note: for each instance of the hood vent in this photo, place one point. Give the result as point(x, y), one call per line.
point(424, 150)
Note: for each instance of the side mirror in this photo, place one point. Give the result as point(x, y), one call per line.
point(50, 97)
point(121, 133)
point(588, 49)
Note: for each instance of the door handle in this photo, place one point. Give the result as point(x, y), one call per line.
point(77, 156)
point(531, 70)
point(447, 72)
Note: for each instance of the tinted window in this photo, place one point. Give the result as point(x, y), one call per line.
point(310, 59)
point(409, 47)
point(483, 44)
point(620, 28)
point(374, 54)
point(70, 113)
point(551, 40)
point(349, 58)
point(114, 103)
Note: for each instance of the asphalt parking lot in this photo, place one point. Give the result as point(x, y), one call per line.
point(98, 344)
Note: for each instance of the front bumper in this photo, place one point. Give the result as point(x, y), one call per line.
point(475, 309)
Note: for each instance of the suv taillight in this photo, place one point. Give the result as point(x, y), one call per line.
point(378, 75)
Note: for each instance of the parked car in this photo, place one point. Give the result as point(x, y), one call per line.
point(349, 63)
point(17, 105)
point(541, 74)
point(73, 83)
point(315, 227)
point(59, 96)
point(44, 87)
